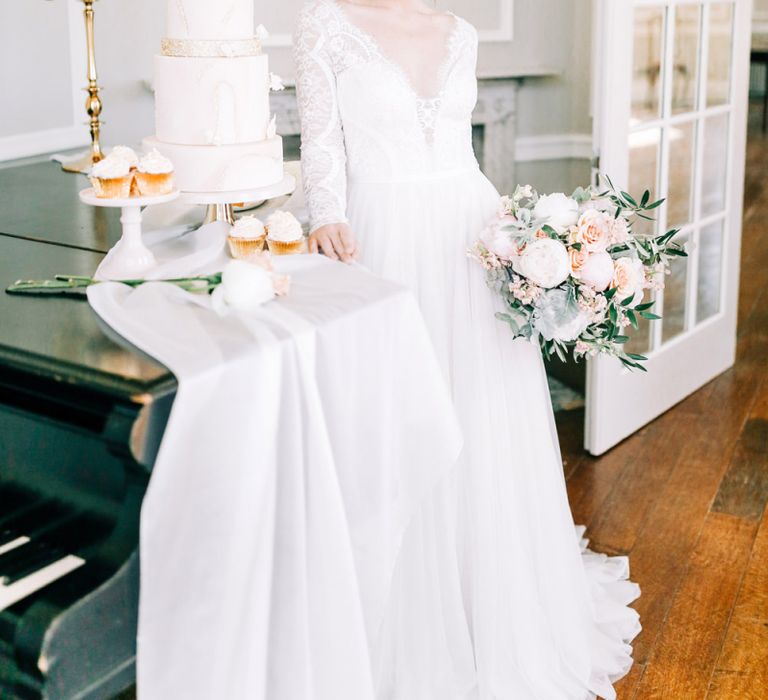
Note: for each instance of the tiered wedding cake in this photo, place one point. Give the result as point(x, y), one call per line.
point(212, 86)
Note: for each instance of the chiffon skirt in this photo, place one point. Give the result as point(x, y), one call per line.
point(494, 595)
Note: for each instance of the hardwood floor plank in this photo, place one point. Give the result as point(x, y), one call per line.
point(742, 667)
point(626, 688)
point(636, 491)
point(727, 685)
point(744, 489)
point(682, 661)
point(660, 559)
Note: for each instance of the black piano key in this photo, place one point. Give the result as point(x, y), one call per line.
point(28, 520)
point(71, 534)
point(18, 556)
point(44, 556)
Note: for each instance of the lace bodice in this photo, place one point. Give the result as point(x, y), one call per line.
point(363, 118)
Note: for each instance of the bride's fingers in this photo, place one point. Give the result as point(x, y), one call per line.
point(327, 246)
point(337, 238)
point(347, 240)
point(313, 244)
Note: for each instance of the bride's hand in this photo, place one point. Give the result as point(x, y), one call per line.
point(336, 241)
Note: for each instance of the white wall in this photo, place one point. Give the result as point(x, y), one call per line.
point(548, 34)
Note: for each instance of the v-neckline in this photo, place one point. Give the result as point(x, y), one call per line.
point(443, 69)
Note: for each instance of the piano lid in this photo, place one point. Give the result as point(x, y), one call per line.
point(61, 337)
point(39, 201)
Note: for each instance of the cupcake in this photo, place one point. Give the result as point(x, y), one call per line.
point(111, 178)
point(246, 238)
point(126, 154)
point(154, 175)
point(284, 234)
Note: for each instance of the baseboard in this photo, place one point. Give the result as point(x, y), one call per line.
point(553, 147)
point(47, 141)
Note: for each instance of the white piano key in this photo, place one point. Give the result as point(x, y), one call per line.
point(34, 582)
point(12, 545)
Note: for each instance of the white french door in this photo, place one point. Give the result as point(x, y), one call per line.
point(670, 109)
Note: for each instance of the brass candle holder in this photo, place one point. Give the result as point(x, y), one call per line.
point(93, 104)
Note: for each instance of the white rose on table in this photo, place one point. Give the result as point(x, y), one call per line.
point(557, 317)
point(597, 271)
point(244, 287)
point(557, 210)
point(628, 278)
point(545, 262)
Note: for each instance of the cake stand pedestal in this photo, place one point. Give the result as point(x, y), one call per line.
point(220, 204)
point(129, 258)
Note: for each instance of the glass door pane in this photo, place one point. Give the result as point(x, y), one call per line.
point(720, 51)
point(648, 72)
point(685, 75)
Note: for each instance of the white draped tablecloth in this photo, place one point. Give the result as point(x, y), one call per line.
point(302, 439)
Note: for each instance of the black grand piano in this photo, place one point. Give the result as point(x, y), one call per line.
point(81, 419)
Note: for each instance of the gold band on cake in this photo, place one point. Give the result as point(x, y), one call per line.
point(210, 48)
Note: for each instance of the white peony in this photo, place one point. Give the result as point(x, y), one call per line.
point(544, 262)
point(557, 210)
point(244, 287)
point(597, 271)
point(558, 317)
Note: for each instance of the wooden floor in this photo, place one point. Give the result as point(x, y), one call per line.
point(686, 499)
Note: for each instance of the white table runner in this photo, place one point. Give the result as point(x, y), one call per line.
point(301, 440)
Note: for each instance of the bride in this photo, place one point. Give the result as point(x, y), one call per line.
point(494, 596)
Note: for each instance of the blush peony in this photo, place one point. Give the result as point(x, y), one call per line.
point(597, 271)
point(557, 210)
point(545, 262)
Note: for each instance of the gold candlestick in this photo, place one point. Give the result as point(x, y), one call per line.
point(93, 103)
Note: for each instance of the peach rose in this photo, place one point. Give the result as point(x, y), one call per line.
point(594, 230)
point(628, 278)
point(541, 233)
point(577, 259)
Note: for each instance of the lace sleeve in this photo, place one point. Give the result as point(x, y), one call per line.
point(323, 156)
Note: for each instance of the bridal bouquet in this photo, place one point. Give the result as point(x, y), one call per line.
point(570, 270)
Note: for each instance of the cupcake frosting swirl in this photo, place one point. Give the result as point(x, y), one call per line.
point(247, 227)
point(155, 163)
point(284, 227)
point(110, 168)
point(125, 153)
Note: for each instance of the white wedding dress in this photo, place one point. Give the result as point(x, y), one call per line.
point(494, 595)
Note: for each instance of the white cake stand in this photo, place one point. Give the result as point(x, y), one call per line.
point(220, 203)
point(129, 258)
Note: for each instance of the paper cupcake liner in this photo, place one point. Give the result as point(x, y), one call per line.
point(283, 248)
point(113, 187)
point(245, 248)
point(153, 184)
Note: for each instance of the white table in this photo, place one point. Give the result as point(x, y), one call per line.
point(302, 440)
